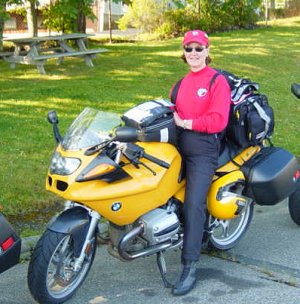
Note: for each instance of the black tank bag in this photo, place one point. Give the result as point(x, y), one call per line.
point(153, 120)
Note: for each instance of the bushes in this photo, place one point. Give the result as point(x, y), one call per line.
point(291, 8)
point(177, 22)
point(145, 15)
point(209, 15)
point(67, 15)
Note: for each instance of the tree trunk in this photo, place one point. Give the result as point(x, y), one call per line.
point(81, 19)
point(1, 33)
point(31, 18)
point(109, 21)
point(266, 11)
point(2, 13)
point(81, 23)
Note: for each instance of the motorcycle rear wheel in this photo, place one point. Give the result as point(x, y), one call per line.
point(51, 278)
point(227, 233)
point(294, 205)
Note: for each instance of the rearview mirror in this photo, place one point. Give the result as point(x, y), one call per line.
point(52, 117)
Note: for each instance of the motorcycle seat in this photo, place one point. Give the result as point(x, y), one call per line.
point(227, 152)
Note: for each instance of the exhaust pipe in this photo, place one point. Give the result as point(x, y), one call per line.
point(130, 236)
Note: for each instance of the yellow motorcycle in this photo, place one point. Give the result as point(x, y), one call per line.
point(138, 186)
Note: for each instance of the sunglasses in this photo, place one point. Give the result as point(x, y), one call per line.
point(197, 49)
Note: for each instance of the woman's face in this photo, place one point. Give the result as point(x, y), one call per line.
point(195, 55)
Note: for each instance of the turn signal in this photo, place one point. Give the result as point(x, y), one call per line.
point(296, 176)
point(7, 244)
point(99, 170)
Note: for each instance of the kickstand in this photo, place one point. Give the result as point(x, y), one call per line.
point(161, 263)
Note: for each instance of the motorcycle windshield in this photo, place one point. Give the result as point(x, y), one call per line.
point(90, 128)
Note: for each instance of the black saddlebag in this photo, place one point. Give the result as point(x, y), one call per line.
point(272, 175)
point(10, 245)
point(153, 120)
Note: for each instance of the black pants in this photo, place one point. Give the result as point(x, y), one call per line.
point(200, 153)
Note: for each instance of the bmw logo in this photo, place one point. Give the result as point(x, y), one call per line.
point(116, 206)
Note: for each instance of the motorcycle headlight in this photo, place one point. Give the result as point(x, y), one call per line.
point(63, 165)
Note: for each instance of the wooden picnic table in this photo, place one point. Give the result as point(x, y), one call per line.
point(31, 50)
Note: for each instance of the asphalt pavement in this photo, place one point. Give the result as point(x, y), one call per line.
point(263, 268)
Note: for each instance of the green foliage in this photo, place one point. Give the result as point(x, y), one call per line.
point(243, 13)
point(178, 21)
point(4, 16)
point(18, 10)
point(60, 17)
point(209, 15)
point(145, 15)
point(63, 14)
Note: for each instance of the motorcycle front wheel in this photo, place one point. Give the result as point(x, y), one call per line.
point(226, 233)
point(51, 275)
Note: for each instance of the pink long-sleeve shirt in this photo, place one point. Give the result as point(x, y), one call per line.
point(208, 107)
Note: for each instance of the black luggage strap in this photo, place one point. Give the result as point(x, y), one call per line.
point(263, 115)
point(175, 91)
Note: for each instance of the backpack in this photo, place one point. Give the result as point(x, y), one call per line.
point(251, 119)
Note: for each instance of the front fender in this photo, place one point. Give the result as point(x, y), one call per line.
point(74, 221)
point(70, 220)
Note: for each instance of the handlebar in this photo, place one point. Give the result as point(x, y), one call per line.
point(156, 161)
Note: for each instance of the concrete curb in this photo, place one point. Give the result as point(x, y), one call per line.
point(28, 243)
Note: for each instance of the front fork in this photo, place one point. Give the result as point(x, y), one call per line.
point(95, 217)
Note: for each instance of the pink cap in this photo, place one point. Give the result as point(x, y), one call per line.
point(195, 36)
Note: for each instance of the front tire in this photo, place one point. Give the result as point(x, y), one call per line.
point(294, 205)
point(51, 278)
point(226, 233)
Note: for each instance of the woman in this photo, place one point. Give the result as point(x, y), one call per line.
point(202, 110)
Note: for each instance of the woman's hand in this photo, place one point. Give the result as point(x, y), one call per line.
point(183, 123)
point(178, 120)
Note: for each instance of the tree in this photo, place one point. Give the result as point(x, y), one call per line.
point(31, 14)
point(4, 16)
point(2, 20)
point(68, 15)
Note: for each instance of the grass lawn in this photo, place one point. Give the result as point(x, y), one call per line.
point(128, 74)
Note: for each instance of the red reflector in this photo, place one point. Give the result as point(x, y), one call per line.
point(8, 243)
point(296, 175)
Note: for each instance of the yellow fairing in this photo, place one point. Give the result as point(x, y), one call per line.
point(221, 205)
point(139, 194)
